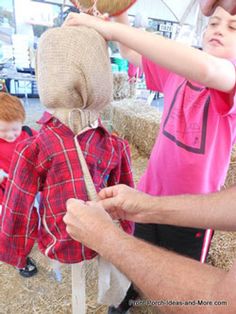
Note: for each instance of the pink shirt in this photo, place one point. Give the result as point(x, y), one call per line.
point(192, 152)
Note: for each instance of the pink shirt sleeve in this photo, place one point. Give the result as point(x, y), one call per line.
point(155, 75)
point(225, 103)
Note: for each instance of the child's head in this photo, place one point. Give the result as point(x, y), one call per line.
point(12, 116)
point(73, 69)
point(220, 35)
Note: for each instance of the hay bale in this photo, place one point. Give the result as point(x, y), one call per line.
point(144, 310)
point(231, 174)
point(121, 88)
point(139, 163)
point(138, 122)
point(223, 250)
point(132, 87)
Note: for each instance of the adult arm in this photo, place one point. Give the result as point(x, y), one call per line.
point(215, 210)
point(166, 275)
point(210, 71)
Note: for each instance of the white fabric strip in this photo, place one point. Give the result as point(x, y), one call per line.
point(112, 284)
point(78, 288)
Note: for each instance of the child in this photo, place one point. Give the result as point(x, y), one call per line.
point(192, 151)
point(12, 116)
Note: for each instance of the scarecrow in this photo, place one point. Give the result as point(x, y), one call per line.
point(73, 155)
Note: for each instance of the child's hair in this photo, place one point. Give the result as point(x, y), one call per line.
point(11, 108)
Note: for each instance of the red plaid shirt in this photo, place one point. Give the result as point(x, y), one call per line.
point(49, 163)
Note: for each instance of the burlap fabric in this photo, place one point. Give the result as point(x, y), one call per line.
point(74, 74)
point(96, 7)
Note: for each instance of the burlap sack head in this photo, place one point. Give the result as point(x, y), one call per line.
point(73, 69)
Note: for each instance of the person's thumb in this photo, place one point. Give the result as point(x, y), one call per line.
point(107, 203)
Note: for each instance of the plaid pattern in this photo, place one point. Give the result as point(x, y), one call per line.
point(6, 152)
point(49, 163)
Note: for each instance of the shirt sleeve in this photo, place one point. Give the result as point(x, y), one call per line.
point(19, 219)
point(224, 103)
point(122, 174)
point(155, 75)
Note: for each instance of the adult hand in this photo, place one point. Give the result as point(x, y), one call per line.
point(208, 6)
point(87, 222)
point(123, 202)
point(100, 24)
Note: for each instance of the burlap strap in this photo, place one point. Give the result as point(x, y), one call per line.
point(79, 270)
point(76, 119)
point(112, 284)
point(91, 191)
point(79, 121)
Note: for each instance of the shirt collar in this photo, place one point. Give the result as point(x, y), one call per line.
point(47, 117)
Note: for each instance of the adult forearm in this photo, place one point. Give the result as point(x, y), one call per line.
point(165, 276)
point(161, 275)
point(216, 210)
